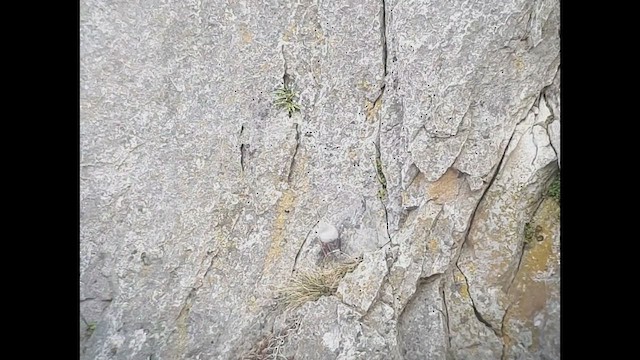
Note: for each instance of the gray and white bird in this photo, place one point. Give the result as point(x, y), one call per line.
point(327, 232)
point(329, 238)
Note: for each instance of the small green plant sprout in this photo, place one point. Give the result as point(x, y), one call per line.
point(554, 189)
point(91, 327)
point(286, 99)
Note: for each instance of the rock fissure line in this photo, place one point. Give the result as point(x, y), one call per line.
point(242, 149)
point(286, 82)
point(295, 260)
point(475, 309)
point(377, 298)
point(493, 178)
point(126, 156)
point(505, 335)
point(547, 122)
point(471, 222)
point(446, 315)
point(295, 152)
point(382, 193)
point(420, 282)
point(286, 79)
point(513, 278)
point(535, 143)
point(515, 274)
point(103, 300)
point(383, 35)
point(527, 30)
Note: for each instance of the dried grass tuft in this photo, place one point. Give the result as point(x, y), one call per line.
point(311, 284)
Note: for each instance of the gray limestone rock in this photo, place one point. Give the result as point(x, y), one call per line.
point(427, 135)
point(360, 288)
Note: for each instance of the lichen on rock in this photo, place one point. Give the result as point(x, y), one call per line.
point(426, 135)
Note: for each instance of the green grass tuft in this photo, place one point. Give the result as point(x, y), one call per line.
point(554, 189)
point(286, 99)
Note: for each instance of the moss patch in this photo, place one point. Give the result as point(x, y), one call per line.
point(554, 189)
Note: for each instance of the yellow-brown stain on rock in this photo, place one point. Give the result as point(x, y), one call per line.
point(284, 205)
point(491, 240)
point(432, 245)
point(353, 156)
point(217, 259)
point(181, 331)
point(461, 284)
point(481, 217)
point(372, 109)
point(288, 34)
point(364, 86)
point(252, 304)
point(540, 256)
point(445, 188)
point(420, 244)
point(518, 62)
point(247, 36)
point(530, 290)
point(302, 163)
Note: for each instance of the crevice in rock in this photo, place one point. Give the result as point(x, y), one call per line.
point(382, 192)
point(102, 300)
point(383, 35)
point(286, 79)
point(484, 193)
point(376, 104)
point(295, 260)
point(546, 103)
point(242, 149)
point(186, 307)
point(295, 152)
point(377, 298)
point(428, 279)
point(399, 341)
point(506, 339)
point(551, 119)
point(471, 223)
point(126, 156)
point(475, 309)
point(423, 308)
point(527, 31)
point(421, 281)
point(84, 320)
point(446, 316)
point(535, 143)
point(515, 274)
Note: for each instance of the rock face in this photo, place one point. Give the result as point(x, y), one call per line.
point(427, 136)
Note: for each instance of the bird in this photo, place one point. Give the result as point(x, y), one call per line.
point(329, 238)
point(327, 232)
